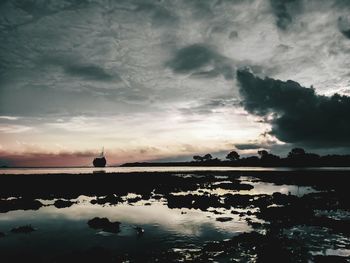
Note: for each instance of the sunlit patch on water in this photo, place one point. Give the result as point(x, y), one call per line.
point(270, 188)
point(259, 188)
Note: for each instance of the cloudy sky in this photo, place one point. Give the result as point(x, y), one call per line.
point(163, 80)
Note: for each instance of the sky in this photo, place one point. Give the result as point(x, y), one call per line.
point(165, 80)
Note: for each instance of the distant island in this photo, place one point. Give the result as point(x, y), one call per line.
point(297, 157)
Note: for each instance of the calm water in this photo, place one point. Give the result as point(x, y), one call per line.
point(76, 170)
point(61, 230)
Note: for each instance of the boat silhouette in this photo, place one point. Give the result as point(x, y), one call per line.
point(100, 161)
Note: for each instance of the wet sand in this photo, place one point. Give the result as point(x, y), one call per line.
point(223, 216)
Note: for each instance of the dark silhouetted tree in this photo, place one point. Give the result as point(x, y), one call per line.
point(268, 158)
point(198, 158)
point(207, 157)
point(233, 156)
point(262, 153)
point(296, 153)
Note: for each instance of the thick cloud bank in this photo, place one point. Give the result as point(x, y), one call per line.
point(297, 114)
point(195, 58)
point(283, 10)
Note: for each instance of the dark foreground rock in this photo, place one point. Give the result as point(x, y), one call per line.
point(63, 203)
point(104, 224)
point(139, 231)
point(19, 204)
point(330, 259)
point(202, 202)
point(288, 215)
point(249, 247)
point(23, 229)
point(235, 185)
point(224, 219)
point(111, 199)
point(336, 226)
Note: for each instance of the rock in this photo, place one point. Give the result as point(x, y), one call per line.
point(104, 224)
point(111, 199)
point(287, 215)
point(237, 200)
point(134, 199)
point(157, 197)
point(224, 219)
point(282, 199)
point(19, 204)
point(139, 230)
point(254, 225)
point(329, 259)
point(216, 212)
point(258, 248)
point(23, 229)
point(337, 226)
point(63, 203)
point(193, 201)
point(235, 185)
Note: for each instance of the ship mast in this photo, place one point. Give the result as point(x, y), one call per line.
point(102, 153)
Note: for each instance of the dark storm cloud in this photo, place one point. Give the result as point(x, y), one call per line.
point(193, 58)
point(92, 72)
point(34, 10)
point(160, 15)
point(297, 114)
point(78, 67)
point(341, 3)
point(284, 11)
point(344, 26)
point(202, 9)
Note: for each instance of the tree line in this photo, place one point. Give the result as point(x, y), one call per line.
point(296, 157)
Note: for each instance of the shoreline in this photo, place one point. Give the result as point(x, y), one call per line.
point(99, 182)
point(163, 169)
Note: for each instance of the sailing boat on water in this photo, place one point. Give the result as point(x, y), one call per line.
point(100, 161)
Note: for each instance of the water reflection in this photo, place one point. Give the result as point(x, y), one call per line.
point(260, 188)
point(171, 222)
point(270, 188)
point(181, 221)
point(98, 171)
point(164, 227)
